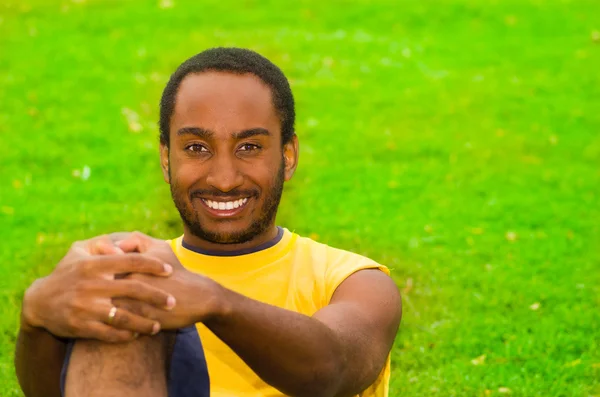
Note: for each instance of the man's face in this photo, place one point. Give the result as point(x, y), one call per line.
point(226, 165)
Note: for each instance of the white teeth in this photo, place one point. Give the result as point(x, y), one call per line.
point(229, 205)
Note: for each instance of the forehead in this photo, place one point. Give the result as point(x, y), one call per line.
point(224, 102)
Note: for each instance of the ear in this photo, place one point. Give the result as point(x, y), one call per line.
point(290, 157)
point(164, 162)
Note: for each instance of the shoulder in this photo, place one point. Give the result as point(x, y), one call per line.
point(332, 266)
point(334, 257)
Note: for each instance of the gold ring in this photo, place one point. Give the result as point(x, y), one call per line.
point(111, 315)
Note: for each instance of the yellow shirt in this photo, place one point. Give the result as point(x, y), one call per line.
point(297, 274)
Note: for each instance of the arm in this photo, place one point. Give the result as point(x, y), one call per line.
point(39, 357)
point(337, 352)
point(74, 302)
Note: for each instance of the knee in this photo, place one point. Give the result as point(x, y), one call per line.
point(135, 368)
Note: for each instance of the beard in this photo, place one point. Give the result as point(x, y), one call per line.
point(259, 225)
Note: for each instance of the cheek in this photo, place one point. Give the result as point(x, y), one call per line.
point(263, 175)
point(183, 176)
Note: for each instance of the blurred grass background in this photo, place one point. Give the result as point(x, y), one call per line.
point(455, 141)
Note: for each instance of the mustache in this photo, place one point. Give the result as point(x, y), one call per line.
point(202, 193)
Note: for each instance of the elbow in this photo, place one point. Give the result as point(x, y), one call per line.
point(322, 381)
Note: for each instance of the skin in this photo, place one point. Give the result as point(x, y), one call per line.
point(73, 302)
point(98, 369)
point(225, 144)
point(226, 148)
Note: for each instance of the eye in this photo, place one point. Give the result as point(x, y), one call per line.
point(196, 148)
point(249, 147)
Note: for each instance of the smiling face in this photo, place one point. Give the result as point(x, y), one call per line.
point(225, 162)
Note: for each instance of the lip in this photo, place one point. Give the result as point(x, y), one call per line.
point(224, 213)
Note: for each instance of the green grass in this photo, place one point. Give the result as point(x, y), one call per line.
point(455, 141)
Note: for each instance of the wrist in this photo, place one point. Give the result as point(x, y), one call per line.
point(220, 304)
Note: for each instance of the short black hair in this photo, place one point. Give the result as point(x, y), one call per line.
point(238, 61)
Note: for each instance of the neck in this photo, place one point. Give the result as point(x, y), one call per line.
point(206, 245)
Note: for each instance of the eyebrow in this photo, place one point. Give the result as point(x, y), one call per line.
point(208, 134)
point(250, 133)
point(197, 131)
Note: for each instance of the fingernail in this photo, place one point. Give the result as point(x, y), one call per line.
point(155, 328)
point(168, 268)
point(170, 302)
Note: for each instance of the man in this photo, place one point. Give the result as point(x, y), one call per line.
point(278, 314)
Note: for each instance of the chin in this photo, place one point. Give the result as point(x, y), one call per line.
point(223, 235)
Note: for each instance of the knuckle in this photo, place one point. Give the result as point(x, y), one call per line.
point(98, 239)
point(85, 266)
point(142, 290)
point(137, 235)
point(135, 286)
point(93, 244)
point(79, 244)
point(136, 308)
point(80, 289)
point(117, 236)
point(124, 304)
point(122, 320)
point(135, 260)
point(77, 308)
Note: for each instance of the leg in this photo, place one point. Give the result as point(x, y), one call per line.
point(133, 369)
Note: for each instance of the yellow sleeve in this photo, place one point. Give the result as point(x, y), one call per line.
point(342, 264)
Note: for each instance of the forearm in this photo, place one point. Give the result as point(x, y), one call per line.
point(39, 357)
point(292, 352)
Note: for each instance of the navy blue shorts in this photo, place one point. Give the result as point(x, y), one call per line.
point(188, 375)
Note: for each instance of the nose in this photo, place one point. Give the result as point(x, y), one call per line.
point(224, 174)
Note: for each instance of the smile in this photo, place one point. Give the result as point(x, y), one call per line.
point(225, 208)
point(225, 205)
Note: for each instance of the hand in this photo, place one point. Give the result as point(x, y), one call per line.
point(198, 297)
point(74, 301)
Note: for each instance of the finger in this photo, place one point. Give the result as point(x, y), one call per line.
point(80, 248)
point(95, 246)
point(105, 333)
point(151, 247)
point(139, 291)
point(135, 242)
point(119, 236)
point(130, 263)
point(105, 247)
point(123, 319)
point(130, 245)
